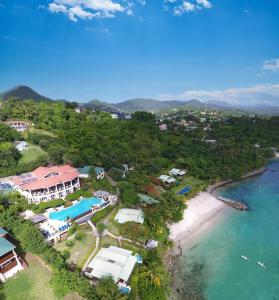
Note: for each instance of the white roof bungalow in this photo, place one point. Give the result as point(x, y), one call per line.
point(168, 180)
point(177, 172)
point(129, 215)
point(113, 261)
point(21, 146)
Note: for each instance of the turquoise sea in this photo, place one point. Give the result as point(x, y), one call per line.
point(224, 275)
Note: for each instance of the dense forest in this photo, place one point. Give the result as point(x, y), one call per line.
point(94, 138)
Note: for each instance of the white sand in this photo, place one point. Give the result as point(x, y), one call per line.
point(199, 215)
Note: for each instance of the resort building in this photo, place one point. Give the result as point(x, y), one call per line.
point(113, 261)
point(129, 215)
point(10, 262)
point(167, 180)
point(21, 146)
point(19, 126)
point(177, 172)
point(47, 183)
point(84, 172)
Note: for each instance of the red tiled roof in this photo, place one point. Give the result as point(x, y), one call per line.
point(66, 173)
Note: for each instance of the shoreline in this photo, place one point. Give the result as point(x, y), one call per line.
point(203, 212)
point(212, 188)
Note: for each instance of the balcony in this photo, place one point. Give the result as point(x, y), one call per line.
point(6, 257)
point(8, 266)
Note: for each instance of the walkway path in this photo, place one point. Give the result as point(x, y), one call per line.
point(120, 238)
point(96, 233)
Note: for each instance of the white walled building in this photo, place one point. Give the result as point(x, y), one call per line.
point(47, 183)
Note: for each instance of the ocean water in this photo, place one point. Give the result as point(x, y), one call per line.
point(224, 274)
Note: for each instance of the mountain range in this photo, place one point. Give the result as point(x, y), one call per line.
point(142, 104)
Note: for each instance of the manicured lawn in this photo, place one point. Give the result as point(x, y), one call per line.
point(31, 154)
point(31, 283)
point(81, 248)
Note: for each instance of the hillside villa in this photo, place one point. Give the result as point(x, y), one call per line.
point(19, 126)
point(47, 183)
point(10, 262)
point(116, 262)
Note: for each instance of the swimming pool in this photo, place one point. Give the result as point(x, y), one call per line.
point(74, 211)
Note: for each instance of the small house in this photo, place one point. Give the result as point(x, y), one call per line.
point(114, 116)
point(10, 262)
point(19, 126)
point(129, 215)
point(113, 261)
point(163, 127)
point(99, 172)
point(177, 172)
point(167, 180)
point(21, 146)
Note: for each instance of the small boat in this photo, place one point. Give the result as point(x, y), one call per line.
point(261, 264)
point(244, 257)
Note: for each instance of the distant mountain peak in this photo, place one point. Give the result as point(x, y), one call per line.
point(23, 92)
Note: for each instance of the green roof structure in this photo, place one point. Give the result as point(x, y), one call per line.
point(148, 200)
point(85, 170)
point(2, 231)
point(5, 246)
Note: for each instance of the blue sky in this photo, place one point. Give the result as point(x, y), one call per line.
point(114, 50)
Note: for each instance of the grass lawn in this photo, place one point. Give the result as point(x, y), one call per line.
point(81, 249)
point(107, 241)
point(41, 131)
point(31, 154)
point(131, 247)
point(31, 283)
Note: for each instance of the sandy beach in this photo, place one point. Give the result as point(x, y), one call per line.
point(198, 217)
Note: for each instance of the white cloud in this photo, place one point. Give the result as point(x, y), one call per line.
point(204, 3)
point(264, 93)
point(271, 65)
point(89, 9)
point(188, 6)
point(180, 7)
point(86, 9)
